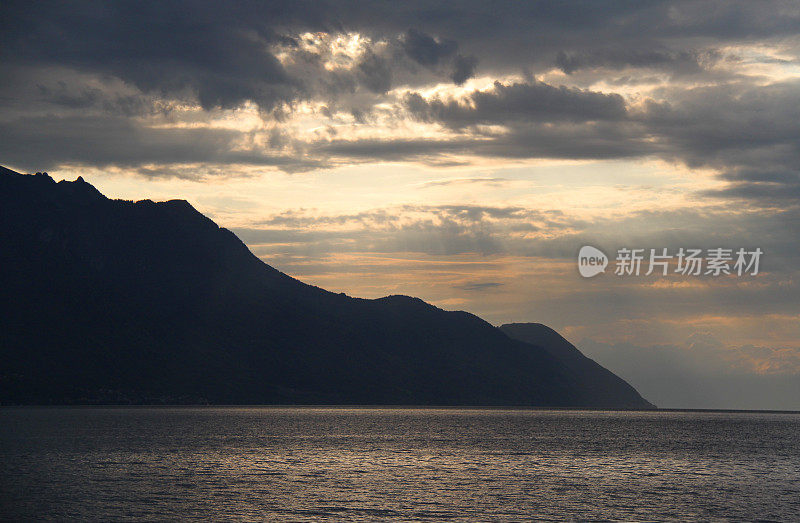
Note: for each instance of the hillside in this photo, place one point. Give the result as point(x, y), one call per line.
point(111, 301)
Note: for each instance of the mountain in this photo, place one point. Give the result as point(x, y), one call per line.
point(112, 301)
point(606, 386)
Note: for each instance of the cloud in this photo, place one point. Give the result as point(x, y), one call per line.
point(399, 149)
point(679, 62)
point(214, 54)
point(377, 62)
point(555, 235)
point(526, 102)
point(467, 181)
point(43, 143)
point(430, 52)
point(425, 50)
point(479, 286)
point(227, 55)
point(432, 229)
point(376, 74)
point(745, 132)
point(463, 69)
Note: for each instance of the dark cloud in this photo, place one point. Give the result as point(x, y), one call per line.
point(566, 140)
point(680, 62)
point(463, 69)
point(27, 91)
point(769, 193)
point(425, 50)
point(528, 102)
point(93, 65)
point(747, 133)
point(223, 56)
point(595, 140)
point(505, 35)
point(173, 48)
point(375, 73)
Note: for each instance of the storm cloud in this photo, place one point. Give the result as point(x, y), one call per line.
point(373, 61)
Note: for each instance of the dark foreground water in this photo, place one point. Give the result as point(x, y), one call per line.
point(404, 464)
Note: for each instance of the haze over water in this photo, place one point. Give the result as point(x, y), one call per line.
point(404, 464)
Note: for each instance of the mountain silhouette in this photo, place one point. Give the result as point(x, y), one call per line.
point(601, 382)
point(112, 301)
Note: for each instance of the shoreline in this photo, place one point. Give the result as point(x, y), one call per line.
point(389, 407)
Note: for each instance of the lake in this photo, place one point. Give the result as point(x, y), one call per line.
point(330, 464)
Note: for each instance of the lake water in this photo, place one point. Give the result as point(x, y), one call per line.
point(330, 464)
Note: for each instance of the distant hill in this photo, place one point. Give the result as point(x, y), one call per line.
point(111, 301)
point(604, 384)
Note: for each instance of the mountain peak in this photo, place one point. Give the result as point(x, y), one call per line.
point(41, 187)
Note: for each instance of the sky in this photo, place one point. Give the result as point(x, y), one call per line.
point(459, 152)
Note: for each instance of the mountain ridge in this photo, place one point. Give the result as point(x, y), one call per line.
point(599, 379)
point(113, 301)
